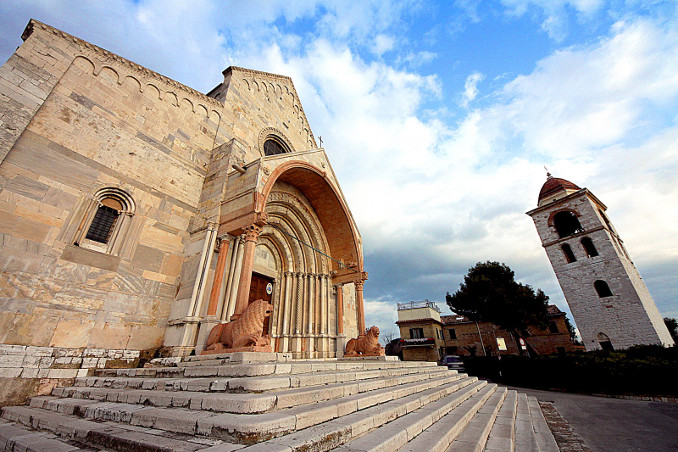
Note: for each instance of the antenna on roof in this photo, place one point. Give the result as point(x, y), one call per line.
point(321, 140)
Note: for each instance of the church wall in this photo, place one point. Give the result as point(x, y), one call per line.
point(103, 122)
point(258, 101)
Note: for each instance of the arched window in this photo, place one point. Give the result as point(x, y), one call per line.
point(105, 220)
point(604, 342)
point(567, 251)
point(273, 146)
point(589, 248)
point(602, 289)
point(566, 223)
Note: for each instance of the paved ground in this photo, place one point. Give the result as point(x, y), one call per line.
point(615, 425)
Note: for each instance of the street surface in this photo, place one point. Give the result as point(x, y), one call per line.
point(616, 425)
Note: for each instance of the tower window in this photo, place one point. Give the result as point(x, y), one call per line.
point(605, 342)
point(590, 249)
point(602, 288)
point(273, 146)
point(569, 255)
point(566, 223)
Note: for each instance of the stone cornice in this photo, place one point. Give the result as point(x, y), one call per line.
point(107, 56)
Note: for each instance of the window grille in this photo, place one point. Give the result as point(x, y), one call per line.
point(273, 147)
point(102, 224)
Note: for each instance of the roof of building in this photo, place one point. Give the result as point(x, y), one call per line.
point(554, 185)
point(551, 309)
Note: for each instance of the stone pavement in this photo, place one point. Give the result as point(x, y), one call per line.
point(270, 402)
point(615, 425)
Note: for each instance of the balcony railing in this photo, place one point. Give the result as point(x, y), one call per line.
point(417, 305)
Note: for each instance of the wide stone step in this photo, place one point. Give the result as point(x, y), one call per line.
point(252, 384)
point(502, 435)
point(544, 437)
point(224, 368)
point(80, 434)
point(238, 402)
point(525, 438)
point(474, 437)
point(17, 438)
point(339, 431)
point(241, 427)
point(430, 428)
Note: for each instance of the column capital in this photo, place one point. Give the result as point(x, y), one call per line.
point(252, 232)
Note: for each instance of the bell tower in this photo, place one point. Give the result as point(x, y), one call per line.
point(609, 300)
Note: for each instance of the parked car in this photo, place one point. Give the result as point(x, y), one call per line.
point(454, 362)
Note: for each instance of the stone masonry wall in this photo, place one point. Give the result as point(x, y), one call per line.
point(106, 123)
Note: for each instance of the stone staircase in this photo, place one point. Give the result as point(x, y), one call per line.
point(270, 402)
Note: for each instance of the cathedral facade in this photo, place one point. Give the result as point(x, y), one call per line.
point(137, 213)
point(608, 298)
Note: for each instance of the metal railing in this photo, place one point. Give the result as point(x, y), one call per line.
point(417, 305)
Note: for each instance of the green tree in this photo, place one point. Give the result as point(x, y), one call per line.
point(672, 325)
point(490, 293)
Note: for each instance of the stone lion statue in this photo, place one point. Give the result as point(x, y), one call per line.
point(248, 330)
point(367, 345)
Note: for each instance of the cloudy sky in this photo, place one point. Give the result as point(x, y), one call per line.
point(440, 116)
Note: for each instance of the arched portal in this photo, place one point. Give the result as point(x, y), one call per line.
point(299, 247)
point(315, 238)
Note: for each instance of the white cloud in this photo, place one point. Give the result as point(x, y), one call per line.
point(471, 88)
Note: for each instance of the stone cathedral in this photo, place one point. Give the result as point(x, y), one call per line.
point(608, 299)
point(137, 213)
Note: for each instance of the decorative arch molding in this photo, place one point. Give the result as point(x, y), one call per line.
point(277, 134)
point(326, 201)
point(129, 206)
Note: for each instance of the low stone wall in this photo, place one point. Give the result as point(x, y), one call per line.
point(26, 371)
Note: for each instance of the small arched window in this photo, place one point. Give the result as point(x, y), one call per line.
point(589, 248)
point(605, 342)
point(274, 146)
point(566, 223)
point(105, 220)
point(602, 289)
point(567, 251)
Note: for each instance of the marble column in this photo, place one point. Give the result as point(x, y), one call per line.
point(251, 236)
point(360, 308)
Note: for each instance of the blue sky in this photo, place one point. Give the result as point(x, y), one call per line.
point(439, 117)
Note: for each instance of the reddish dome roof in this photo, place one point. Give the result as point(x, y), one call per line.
point(554, 185)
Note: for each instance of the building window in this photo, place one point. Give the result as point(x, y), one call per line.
point(452, 333)
point(566, 223)
point(416, 333)
point(605, 342)
point(589, 248)
point(105, 220)
point(553, 327)
point(602, 288)
point(274, 146)
point(569, 255)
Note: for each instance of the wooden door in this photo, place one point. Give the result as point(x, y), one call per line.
point(260, 290)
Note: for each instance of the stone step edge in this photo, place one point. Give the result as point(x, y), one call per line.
point(228, 402)
point(13, 437)
point(255, 370)
point(109, 435)
point(506, 419)
point(337, 432)
point(545, 439)
point(275, 423)
point(474, 434)
point(237, 384)
point(453, 412)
